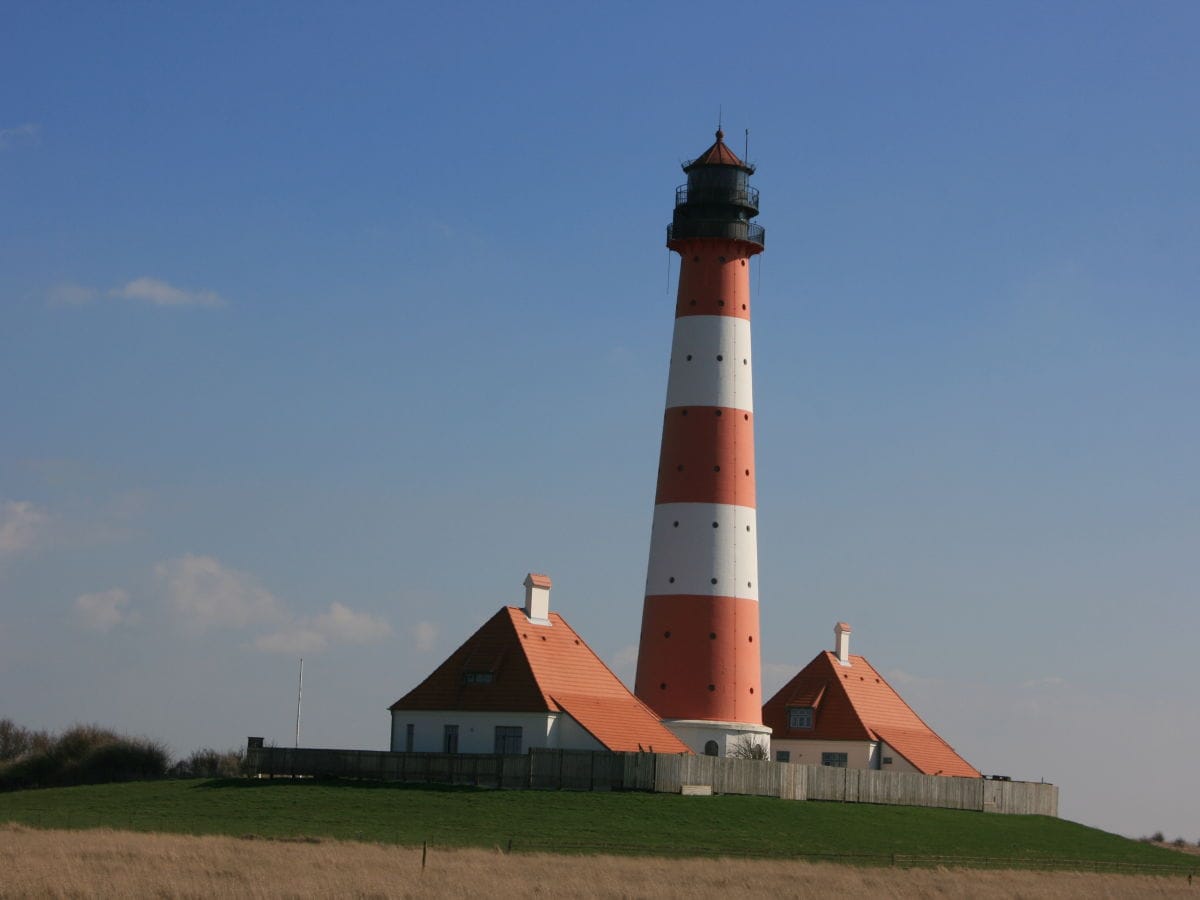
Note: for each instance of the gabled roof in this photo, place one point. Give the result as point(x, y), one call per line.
point(855, 703)
point(513, 665)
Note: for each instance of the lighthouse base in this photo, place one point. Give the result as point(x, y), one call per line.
point(708, 738)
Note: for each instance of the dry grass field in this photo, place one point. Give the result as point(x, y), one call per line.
point(103, 863)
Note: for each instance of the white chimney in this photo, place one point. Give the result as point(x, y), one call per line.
point(841, 634)
point(537, 598)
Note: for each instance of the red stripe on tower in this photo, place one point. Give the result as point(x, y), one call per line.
point(698, 659)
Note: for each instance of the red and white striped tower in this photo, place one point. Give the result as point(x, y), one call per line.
point(698, 660)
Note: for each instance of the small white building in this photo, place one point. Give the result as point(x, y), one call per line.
point(839, 711)
point(525, 679)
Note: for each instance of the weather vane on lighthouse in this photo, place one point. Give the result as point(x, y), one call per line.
point(698, 659)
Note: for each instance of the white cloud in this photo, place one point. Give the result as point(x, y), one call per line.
point(159, 293)
point(344, 624)
point(27, 133)
point(424, 635)
point(340, 624)
point(68, 293)
point(20, 524)
point(206, 594)
point(292, 640)
point(104, 610)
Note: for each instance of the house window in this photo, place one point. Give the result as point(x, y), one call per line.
point(477, 677)
point(508, 739)
point(887, 760)
point(783, 756)
point(836, 760)
point(711, 749)
point(410, 733)
point(800, 717)
point(449, 738)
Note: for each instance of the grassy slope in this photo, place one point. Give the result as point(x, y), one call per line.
point(651, 823)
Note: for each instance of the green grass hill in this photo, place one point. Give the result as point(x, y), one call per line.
point(656, 824)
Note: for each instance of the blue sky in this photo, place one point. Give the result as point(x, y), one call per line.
point(320, 328)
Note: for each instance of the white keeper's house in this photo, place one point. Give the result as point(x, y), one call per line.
point(525, 679)
point(839, 711)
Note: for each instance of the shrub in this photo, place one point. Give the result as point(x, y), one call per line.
point(747, 748)
point(1157, 837)
point(16, 741)
point(210, 763)
point(84, 754)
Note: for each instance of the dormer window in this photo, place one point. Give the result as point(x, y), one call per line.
point(477, 677)
point(800, 717)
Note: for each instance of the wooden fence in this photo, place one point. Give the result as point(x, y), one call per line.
point(585, 770)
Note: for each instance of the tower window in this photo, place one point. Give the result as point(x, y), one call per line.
point(711, 748)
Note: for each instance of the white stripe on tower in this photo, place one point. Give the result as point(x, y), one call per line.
point(710, 363)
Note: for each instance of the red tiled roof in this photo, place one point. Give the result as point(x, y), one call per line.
point(856, 704)
point(716, 155)
point(541, 668)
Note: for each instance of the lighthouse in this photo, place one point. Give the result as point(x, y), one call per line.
point(698, 659)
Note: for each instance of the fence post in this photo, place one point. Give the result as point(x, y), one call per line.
point(424, 853)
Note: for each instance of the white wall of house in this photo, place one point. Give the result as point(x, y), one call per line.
point(696, 733)
point(898, 763)
point(859, 754)
point(477, 730)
